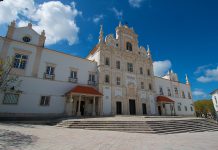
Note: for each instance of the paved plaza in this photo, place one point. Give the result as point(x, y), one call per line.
point(42, 137)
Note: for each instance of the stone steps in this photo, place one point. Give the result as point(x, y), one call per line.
point(159, 127)
point(182, 126)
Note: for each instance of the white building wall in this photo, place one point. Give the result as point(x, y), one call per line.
point(215, 100)
point(19, 33)
point(33, 89)
point(63, 65)
point(17, 46)
point(179, 100)
point(107, 100)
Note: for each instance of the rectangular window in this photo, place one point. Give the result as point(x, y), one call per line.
point(49, 74)
point(169, 92)
point(91, 80)
point(107, 79)
point(189, 95)
point(142, 85)
point(161, 91)
point(183, 94)
point(148, 72)
point(150, 86)
point(107, 61)
point(118, 80)
point(20, 61)
point(92, 77)
point(176, 92)
point(186, 108)
point(50, 70)
point(141, 70)
point(10, 98)
point(118, 64)
point(73, 74)
point(179, 108)
point(130, 67)
point(45, 100)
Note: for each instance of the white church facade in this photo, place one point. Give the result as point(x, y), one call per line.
point(116, 78)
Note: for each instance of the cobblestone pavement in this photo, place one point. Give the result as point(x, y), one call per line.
point(38, 137)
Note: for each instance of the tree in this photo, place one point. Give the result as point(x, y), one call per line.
point(7, 81)
point(204, 107)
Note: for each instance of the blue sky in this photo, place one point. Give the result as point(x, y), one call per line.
point(182, 34)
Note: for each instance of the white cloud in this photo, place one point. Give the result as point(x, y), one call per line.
point(97, 18)
point(161, 67)
point(56, 18)
point(135, 3)
point(210, 75)
point(90, 37)
point(118, 14)
point(201, 69)
point(10, 9)
point(199, 93)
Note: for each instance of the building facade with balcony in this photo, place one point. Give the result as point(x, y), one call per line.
point(116, 78)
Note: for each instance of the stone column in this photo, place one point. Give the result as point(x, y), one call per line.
point(100, 100)
point(93, 107)
point(174, 109)
point(78, 112)
point(71, 105)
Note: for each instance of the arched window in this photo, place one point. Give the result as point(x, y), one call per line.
point(129, 46)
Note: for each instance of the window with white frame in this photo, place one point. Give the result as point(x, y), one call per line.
point(92, 77)
point(179, 108)
point(91, 80)
point(169, 92)
point(20, 61)
point(49, 74)
point(45, 101)
point(129, 67)
point(73, 74)
point(142, 85)
point(161, 91)
point(191, 108)
point(50, 70)
point(118, 80)
point(10, 98)
point(118, 64)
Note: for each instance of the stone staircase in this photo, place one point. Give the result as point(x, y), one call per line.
point(122, 126)
point(182, 126)
point(158, 127)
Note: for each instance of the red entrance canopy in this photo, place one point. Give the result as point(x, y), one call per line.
point(164, 99)
point(79, 89)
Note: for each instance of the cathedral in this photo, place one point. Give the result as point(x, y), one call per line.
point(116, 78)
